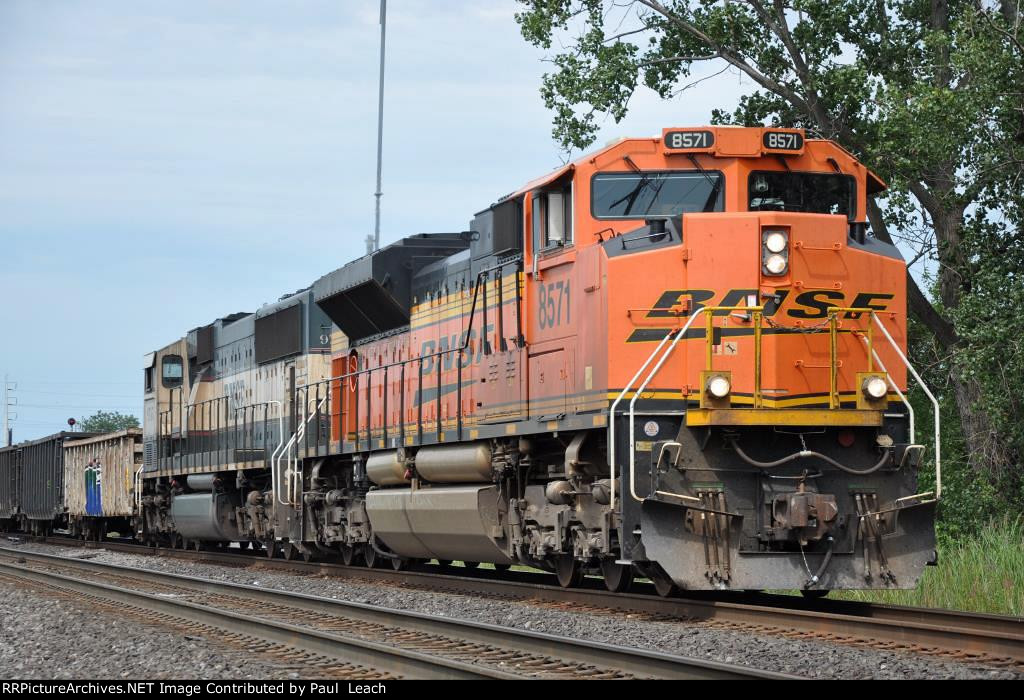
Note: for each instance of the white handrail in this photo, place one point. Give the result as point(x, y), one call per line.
point(295, 477)
point(611, 413)
point(280, 442)
point(640, 389)
point(931, 397)
point(299, 433)
point(138, 489)
point(668, 352)
point(277, 466)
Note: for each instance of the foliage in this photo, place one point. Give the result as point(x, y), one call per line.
point(108, 422)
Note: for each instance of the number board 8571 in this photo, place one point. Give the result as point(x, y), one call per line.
point(693, 140)
point(783, 141)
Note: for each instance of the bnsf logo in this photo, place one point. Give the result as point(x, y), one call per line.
point(806, 305)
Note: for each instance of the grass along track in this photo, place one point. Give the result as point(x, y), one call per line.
point(360, 638)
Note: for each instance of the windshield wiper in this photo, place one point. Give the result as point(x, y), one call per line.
point(632, 196)
point(716, 185)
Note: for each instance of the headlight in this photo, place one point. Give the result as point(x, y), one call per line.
point(719, 387)
point(876, 387)
point(775, 264)
point(775, 241)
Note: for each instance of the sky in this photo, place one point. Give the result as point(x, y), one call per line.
point(163, 164)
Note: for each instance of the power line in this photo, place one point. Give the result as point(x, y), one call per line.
point(89, 407)
point(61, 382)
point(74, 393)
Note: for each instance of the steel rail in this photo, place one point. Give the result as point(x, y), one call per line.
point(352, 651)
point(627, 661)
point(954, 632)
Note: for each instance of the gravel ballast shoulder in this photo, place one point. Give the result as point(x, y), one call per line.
point(803, 657)
point(45, 637)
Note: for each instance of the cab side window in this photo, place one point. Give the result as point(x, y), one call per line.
point(552, 219)
point(172, 371)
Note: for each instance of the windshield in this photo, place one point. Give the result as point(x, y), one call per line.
point(640, 195)
point(815, 193)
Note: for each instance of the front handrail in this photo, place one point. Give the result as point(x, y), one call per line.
point(833, 315)
point(709, 311)
point(935, 408)
point(660, 355)
point(615, 404)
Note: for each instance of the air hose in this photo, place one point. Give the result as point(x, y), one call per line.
point(886, 457)
point(824, 564)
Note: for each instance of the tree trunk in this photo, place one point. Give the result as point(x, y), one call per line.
point(1009, 10)
point(986, 453)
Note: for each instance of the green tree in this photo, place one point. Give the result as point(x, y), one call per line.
point(108, 422)
point(928, 93)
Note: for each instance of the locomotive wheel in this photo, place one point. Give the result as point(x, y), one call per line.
point(289, 551)
point(348, 554)
point(471, 564)
point(370, 556)
point(617, 577)
point(271, 547)
point(502, 567)
point(444, 563)
point(815, 593)
point(399, 564)
point(308, 555)
point(663, 584)
point(243, 545)
point(568, 571)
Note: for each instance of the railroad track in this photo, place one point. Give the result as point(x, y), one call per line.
point(992, 640)
point(345, 639)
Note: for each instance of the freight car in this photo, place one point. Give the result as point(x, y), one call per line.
point(99, 483)
point(32, 488)
point(682, 356)
point(10, 478)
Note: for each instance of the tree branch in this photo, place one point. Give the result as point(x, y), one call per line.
point(731, 57)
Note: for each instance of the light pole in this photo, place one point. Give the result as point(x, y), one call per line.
point(380, 121)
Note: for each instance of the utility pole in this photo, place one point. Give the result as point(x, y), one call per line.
point(9, 401)
point(380, 122)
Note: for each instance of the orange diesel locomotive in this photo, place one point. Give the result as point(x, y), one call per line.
point(680, 356)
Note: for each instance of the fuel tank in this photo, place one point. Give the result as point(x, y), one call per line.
point(386, 469)
point(205, 516)
point(455, 464)
point(446, 522)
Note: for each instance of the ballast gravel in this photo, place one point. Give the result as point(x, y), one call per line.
point(43, 637)
point(810, 658)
